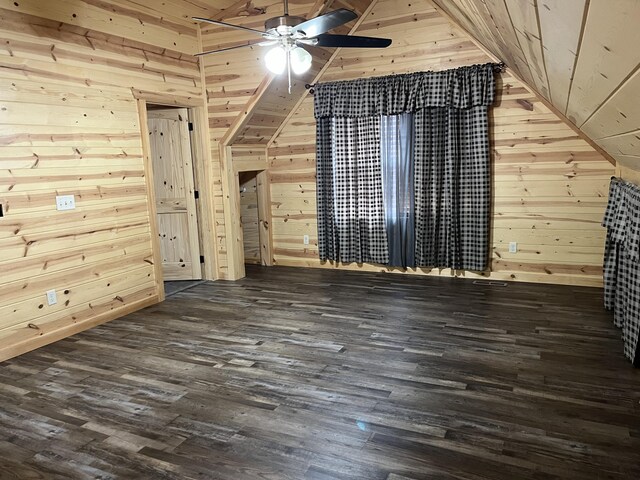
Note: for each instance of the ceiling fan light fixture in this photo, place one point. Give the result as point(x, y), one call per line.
point(289, 35)
point(300, 60)
point(276, 60)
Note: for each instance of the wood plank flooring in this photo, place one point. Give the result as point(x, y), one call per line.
point(320, 374)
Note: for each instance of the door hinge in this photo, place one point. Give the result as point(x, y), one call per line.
point(191, 126)
point(196, 194)
point(201, 258)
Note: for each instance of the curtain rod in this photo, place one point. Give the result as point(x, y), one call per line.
point(497, 68)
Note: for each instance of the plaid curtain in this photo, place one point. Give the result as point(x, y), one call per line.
point(622, 263)
point(452, 187)
point(451, 141)
point(349, 191)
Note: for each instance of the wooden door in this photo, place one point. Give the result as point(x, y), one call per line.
point(175, 193)
point(249, 217)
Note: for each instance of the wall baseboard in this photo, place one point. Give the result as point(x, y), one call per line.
point(23, 340)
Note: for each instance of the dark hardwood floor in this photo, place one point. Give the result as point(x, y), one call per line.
point(320, 374)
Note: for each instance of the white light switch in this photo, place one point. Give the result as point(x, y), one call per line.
point(305, 239)
point(52, 298)
point(65, 202)
point(513, 247)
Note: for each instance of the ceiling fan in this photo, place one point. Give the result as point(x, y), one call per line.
point(291, 36)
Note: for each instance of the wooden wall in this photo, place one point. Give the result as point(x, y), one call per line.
point(69, 74)
point(549, 185)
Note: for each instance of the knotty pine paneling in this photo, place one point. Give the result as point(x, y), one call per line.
point(549, 186)
point(69, 125)
point(139, 21)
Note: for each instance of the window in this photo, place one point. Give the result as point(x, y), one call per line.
point(396, 155)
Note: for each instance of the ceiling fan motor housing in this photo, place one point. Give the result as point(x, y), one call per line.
point(283, 23)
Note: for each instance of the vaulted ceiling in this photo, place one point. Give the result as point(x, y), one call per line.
point(581, 55)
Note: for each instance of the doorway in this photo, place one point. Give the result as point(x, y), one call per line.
point(249, 217)
point(175, 192)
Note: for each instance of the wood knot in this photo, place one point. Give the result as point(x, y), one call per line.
point(525, 104)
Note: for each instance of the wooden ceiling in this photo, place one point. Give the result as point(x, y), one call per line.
point(581, 55)
point(214, 9)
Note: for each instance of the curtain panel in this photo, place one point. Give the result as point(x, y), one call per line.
point(452, 188)
point(451, 184)
point(350, 188)
point(622, 263)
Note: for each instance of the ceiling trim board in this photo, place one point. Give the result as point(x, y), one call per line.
point(575, 61)
point(544, 58)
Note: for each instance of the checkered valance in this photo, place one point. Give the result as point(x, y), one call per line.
point(461, 88)
point(622, 262)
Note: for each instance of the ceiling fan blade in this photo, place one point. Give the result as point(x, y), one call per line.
point(324, 23)
point(252, 44)
point(230, 25)
point(327, 40)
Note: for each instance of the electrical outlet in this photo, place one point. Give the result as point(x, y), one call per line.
point(65, 202)
point(305, 239)
point(513, 247)
point(52, 298)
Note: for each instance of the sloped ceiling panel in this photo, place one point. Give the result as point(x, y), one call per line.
point(580, 55)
